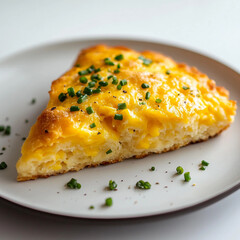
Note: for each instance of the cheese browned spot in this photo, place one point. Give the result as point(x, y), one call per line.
point(182, 106)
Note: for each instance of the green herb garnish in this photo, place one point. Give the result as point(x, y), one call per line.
point(185, 88)
point(88, 91)
point(96, 77)
point(3, 165)
point(103, 83)
point(152, 168)
point(115, 80)
point(202, 168)
point(78, 93)
point(179, 170)
point(83, 72)
point(97, 70)
point(122, 106)
point(109, 151)
point(146, 61)
point(97, 90)
point(108, 202)
point(71, 92)
point(168, 72)
point(187, 176)
point(112, 185)
point(33, 101)
point(118, 117)
point(74, 108)
point(93, 125)
point(73, 184)
point(204, 163)
point(143, 185)
point(117, 71)
point(62, 97)
point(158, 100)
point(119, 57)
point(2, 128)
point(91, 84)
point(82, 98)
point(123, 82)
point(7, 130)
point(108, 62)
point(145, 85)
point(89, 110)
point(119, 87)
point(142, 103)
point(91, 207)
point(83, 80)
point(147, 96)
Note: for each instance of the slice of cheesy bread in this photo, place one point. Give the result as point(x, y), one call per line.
point(116, 103)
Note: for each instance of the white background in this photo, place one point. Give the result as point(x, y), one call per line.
point(211, 27)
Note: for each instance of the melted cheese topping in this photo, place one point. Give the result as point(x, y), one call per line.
point(186, 95)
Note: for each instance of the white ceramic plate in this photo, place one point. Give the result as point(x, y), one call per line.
point(29, 75)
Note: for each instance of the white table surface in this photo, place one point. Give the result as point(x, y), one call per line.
point(211, 27)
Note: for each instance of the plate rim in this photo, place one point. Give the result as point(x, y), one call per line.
point(210, 200)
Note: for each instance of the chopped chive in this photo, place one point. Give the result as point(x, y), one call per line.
point(109, 202)
point(109, 151)
point(73, 184)
point(147, 96)
point(115, 80)
point(7, 130)
point(3, 148)
point(146, 61)
point(89, 110)
point(91, 207)
point(33, 101)
point(108, 62)
point(202, 168)
point(168, 72)
point(122, 106)
point(74, 108)
point(118, 117)
point(62, 97)
point(179, 170)
point(71, 92)
point(143, 185)
point(112, 185)
point(142, 103)
point(145, 85)
point(204, 163)
point(83, 72)
point(158, 100)
point(119, 87)
point(97, 90)
point(78, 93)
point(2, 128)
point(91, 69)
point(117, 71)
point(119, 57)
point(103, 83)
point(3, 165)
point(185, 88)
point(97, 70)
point(82, 98)
point(187, 176)
point(83, 80)
point(91, 84)
point(123, 82)
point(96, 77)
point(119, 66)
point(87, 91)
point(109, 77)
point(93, 125)
point(152, 168)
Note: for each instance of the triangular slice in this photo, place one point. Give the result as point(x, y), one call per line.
point(116, 103)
